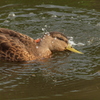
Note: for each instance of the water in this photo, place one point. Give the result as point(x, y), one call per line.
point(63, 76)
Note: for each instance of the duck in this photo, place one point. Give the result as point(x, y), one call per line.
point(15, 46)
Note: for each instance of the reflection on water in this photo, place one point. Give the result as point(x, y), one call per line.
point(65, 75)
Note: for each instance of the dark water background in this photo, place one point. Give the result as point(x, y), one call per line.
point(66, 77)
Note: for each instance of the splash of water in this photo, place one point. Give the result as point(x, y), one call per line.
point(72, 43)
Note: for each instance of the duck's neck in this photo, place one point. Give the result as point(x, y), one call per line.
point(43, 49)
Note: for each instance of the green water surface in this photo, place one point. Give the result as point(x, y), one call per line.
point(63, 76)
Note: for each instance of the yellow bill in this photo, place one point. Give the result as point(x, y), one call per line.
point(70, 48)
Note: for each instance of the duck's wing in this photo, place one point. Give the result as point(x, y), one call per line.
point(15, 46)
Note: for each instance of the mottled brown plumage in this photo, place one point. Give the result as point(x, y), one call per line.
point(15, 46)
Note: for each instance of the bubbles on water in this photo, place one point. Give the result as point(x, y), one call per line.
point(72, 17)
point(43, 17)
point(54, 16)
point(72, 43)
point(89, 42)
point(45, 26)
point(11, 14)
point(6, 21)
point(44, 29)
point(31, 13)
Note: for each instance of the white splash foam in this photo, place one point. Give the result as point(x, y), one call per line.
point(80, 44)
point(72, 43)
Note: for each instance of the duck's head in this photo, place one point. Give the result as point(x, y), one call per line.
point(57, 41)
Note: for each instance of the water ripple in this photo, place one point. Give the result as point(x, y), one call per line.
point(63, 72)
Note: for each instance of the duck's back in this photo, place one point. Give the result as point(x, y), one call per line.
point(15, 46)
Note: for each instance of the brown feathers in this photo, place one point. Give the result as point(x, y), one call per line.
point(15, 46)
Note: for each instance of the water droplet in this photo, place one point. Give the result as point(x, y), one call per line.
point(43, 29)
point(41, 13)
point(31, 14)
point(43, 17)
point(37, 47)
point(72, 17)
point(45, 26)
point(89, 42)
point(55, 38)
point(11, 14)
point(46, 32)
point(54, 16)
point(44, 37)
point(6, 21)
point(70, 38)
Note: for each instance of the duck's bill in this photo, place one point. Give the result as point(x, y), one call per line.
point(70, 48)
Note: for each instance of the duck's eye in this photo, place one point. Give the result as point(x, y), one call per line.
point(60, 38)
